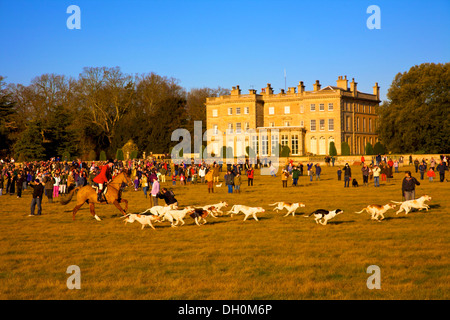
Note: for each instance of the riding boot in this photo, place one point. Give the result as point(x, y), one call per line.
point(99, 197)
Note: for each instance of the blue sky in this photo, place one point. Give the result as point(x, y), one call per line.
point(225, 43)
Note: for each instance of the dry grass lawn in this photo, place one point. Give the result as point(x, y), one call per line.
point(280, 258)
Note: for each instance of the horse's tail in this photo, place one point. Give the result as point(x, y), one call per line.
point(69, 197)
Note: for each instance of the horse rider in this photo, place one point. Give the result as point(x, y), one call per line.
point(103, 178)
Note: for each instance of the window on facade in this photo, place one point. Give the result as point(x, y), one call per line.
point(302, 123)
point(294, 144)
point(272, 124)
point(302, 109)
point(264, 145)
point(330, 107)
point(370, 125)
point(313, 107)
point(238, 110)
point(313, 125)
point(364, 125)
point(287, 109)
point(230, 111)
point(357, 124)
point(238, 127)
point(330, 124)
point(313, 145)
point(215, 129)
point(284, 140)
point(246, 110)
point(247, 126)
point(322, 124)
point(321, 107)
point(215, 113)
point(271, 110)
point(230, 128)
point(287, 123)
point(255, 145)
point(274, 144)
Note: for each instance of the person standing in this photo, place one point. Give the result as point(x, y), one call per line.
point(441, 168)
point(431, 174)
point(284, 177)
point(237, 183)
point(295, 174)
point(38, 191)
point(209, 177)
point(19, 185)
point(409, 186)
point(347, 175)
point(154, 192)
point(365, 173)
point(376, 175)
point(250, 175)
point(229, 181)
point(422, 169)
point(144, 184)
point(339, 173)
point(318, 171)
point(48, 180)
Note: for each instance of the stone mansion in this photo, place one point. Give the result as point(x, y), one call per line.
point(304, 121)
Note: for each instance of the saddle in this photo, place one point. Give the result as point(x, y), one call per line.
point(101, 197)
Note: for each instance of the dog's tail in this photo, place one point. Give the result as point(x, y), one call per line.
point(69, 197)
point(273, 204)
point(395, 201)
point(232, 210)
point(310, 214)
point(361, 210)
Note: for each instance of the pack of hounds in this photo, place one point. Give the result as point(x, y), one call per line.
point(175, 215)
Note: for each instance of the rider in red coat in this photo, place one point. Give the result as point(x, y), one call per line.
point(103, 177)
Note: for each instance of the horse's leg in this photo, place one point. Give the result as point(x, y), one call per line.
point(74, 212)
point(116, 203)
point(126, 204)
point(92, 209)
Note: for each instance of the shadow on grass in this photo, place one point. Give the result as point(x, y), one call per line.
point(435, 206)
point(340, 222)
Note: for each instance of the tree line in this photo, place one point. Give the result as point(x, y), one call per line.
point(104, 108)
point(97, 113)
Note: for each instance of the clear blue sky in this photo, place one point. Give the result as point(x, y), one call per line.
point(225, 43)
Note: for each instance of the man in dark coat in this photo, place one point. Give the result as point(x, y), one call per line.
point(441, 168)
point(409, 186)
point(38, 191)
point(347, 175)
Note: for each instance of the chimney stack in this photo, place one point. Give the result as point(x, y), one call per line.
point(353, 87)
point(376, 90)
point(342, 83)
point(317, 86)
point(301, 87)
point(235, 91)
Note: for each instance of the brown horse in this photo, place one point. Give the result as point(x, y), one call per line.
point(89, 195)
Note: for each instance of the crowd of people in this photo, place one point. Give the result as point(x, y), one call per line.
point(54, 177)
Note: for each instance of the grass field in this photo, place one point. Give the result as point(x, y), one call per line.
point(280, 258)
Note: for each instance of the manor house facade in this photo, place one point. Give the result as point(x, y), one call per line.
point(303, 121)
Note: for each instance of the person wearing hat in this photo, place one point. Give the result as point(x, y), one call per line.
point(347, 175)
point(38, 191)
point(103, 177)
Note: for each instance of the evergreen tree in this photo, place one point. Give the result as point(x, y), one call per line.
point(345, 149)
point(333, 151)
point(29, 145)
